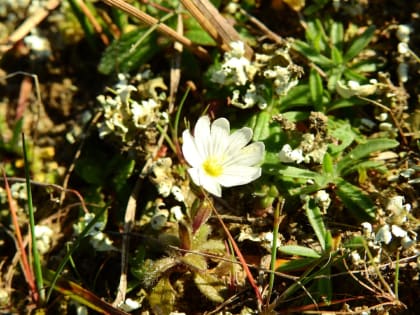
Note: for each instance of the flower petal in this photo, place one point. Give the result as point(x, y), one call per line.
point(195, 175)
point(239, 139)
point(250, 155)
point(238, 175)
point(202, 135)
point(190, 151)
point(220, 130)
point(208, 183)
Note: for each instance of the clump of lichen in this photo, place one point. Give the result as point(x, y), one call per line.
point(133, 110)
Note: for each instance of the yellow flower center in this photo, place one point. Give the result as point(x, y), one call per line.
point(213, 166)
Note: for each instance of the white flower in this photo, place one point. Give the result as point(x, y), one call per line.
point(219, 158)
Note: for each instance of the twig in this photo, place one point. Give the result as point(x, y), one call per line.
point(394, 119)
point(215, 24)
point(269, 33)
point(162, 28)
point(92, 20)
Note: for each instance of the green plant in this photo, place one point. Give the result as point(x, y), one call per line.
point(317, 263)
point(338, 163)
point(333, 58)
point(195, 253)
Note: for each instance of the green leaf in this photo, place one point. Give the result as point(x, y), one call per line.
point(295, 172)
point(377, 165)
point(313, 8)
point(310, 189)
point(120, 56)
point(357, 203)
point(328, 166)
point(350, 74)
point(296, 264)
point(324, 284)
point(261, 126)
point(197, 262)
point(197, 34)
point(200, 37)
point(336, 55)
point(210, 286)
point(315, 35)
point(315, 218)
point(337, 36)
point(297, 96)
point(345, 102)
point(359, 43)
point(364, 150)
point(124, 170)
point(316, 89)
point(297, 250)
point(295, 116)
point(366, 66)
point(342, 131)
point(334, 76)
point(355, 243)
point(312, 54)
point(162, 298)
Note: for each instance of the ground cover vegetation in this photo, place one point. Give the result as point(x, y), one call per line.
point(209, 157)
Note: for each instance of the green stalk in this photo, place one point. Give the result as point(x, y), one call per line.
point(276, 225)
point(397, 274)
point(35, 253)
point(178, 113)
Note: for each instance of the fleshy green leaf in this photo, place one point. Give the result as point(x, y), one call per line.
point(200, 37)
point(357, 203)
point(378, 165)
point(334, 76)
point(359, 44)
point(121, 57)
point(324, 284)
point(336, 55)
point(316, 89)
point(327, 165)
point(312, 54)
point(261, 127)
point(364, 150)
point(316, 220)
point(355, 242)
point(298, 250)
point(296, 264)
point(337, 36)
point(345, 102)
point(297, 96)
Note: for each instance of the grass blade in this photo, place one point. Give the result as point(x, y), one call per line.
point(25, 264)
point(35, 253)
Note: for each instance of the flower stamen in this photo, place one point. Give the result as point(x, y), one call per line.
point(213, 166)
